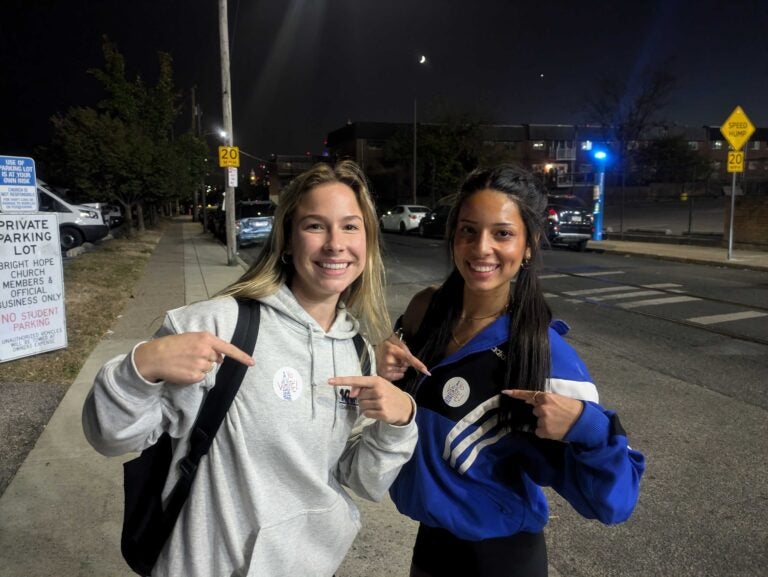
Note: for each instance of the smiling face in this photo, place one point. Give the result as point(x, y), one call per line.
point(328, 244)
point(490, 243)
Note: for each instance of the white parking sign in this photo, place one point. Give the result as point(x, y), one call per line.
point(18, 185)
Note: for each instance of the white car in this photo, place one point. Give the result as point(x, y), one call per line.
point(403, 217)
point(77, 223)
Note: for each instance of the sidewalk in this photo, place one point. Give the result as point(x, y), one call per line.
point(61, 514)
point(740, 258)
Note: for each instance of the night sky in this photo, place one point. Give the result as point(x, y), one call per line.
point(302, 68)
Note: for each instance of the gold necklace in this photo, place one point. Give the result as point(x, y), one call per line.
point(496, 314)
point(463, 318)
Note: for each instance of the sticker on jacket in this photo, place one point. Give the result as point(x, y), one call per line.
point(287, 384)
point(455, 392)
point(346, 400)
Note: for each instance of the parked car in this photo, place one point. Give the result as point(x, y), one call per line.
point(434, 222)
point(403, 217)
point(77, 223)
point(253, 221)
point(569, 221)
point(111, 213)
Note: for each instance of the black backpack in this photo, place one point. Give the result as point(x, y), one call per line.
point(146, 524)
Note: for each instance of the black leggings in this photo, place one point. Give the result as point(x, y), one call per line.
point(439, 553)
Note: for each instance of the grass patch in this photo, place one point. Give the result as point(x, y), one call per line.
point(97, 285)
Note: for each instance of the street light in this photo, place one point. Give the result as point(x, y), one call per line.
point(423, 62)
point(601, 157)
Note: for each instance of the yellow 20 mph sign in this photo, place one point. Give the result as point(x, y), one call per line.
point(229, 156)
point(735, 161)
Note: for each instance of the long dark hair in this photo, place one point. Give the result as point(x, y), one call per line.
point(527, 352)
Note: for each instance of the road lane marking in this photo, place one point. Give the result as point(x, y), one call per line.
point(656, 302)
point(726, 318)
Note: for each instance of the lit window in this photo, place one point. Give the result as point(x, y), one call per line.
point(717, 144)
point(586, 145)
point(754, 145)
point(538, 145)
point(693, 145)
point(752, 165)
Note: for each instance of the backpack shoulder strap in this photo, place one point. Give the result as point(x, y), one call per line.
point(362, 354)
point(228, 380)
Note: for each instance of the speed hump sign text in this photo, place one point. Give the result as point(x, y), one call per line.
point(229, 156)
point(737, 129)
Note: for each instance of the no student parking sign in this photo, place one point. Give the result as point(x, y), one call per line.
point(32, 316)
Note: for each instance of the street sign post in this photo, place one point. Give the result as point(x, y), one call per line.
point(737, 129)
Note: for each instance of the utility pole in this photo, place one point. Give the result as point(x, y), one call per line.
point(226, 101)
point(415, 152)
point(196, 132)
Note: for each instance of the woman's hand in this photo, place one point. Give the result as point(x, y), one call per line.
point(184, 359)
point(393, 358)
point(378, 398)
point(556, 414)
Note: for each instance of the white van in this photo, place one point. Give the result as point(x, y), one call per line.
point(77, 223)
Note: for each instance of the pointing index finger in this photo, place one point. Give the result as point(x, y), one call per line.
point(522, 394)
point(406, 355)
point(359, 382)
point(230, 350)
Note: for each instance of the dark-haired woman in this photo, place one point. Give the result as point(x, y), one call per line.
point(506, 406)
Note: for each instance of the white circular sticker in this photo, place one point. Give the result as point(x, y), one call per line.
point(287, 384)
point(455, 392)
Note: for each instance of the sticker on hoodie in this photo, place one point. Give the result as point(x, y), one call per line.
point(455, 392)
point(287, 384)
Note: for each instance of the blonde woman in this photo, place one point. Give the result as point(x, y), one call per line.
point(268, 498)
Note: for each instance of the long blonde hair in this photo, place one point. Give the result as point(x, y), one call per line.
point(365, 296)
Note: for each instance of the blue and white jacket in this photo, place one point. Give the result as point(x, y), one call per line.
point(477, 481)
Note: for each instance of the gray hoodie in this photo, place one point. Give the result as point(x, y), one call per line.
point(267, 500)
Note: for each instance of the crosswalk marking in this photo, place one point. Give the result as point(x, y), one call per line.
point(662, 285)
point(548, 276)
point(600, 273)
point(656, 302)
point(724, 318)
point(594, 291)
point(624, 295)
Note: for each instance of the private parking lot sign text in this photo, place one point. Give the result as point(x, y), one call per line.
point(32, 314)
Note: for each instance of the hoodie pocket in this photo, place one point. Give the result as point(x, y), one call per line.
point(311, 544)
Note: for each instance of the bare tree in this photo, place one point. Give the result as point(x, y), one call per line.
point(627, 108)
